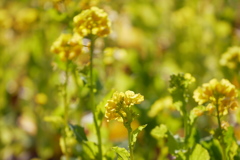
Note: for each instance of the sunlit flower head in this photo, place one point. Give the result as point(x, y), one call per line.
point(222, 94)
point(119, 106)
point(231, 58)
point(67, 46)
point(92, 21)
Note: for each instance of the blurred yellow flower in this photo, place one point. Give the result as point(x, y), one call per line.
point(231, 58)
point(222, 94)
point(67, 46)
point(25, 18)
point(197, 112)
point(5, 20)
point(224, 125)
point(41, 98)
point(92, 21)
point(118, 107)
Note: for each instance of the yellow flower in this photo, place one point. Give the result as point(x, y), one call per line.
point(25, 18)
point(231, 58)
point(221, 94)
point(197, 112)
point(224, 125)
point(131, 98)
point(118, 107)
point(92, 21)
point(67, 46)
point(41, 98)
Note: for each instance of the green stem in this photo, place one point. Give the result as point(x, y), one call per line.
point(97, 127)
point(221, 140)
point(129, 141)
point(66, 108)
point(185, 123)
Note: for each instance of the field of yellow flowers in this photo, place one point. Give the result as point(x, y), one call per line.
point(119, 80)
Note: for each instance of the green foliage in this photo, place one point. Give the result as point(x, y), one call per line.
point(122, 152)
point(135, 134)
point(199, 153)
point(174, 143)
point(90, 150)
point(231, 144)
point(159, 131)
point(78, 132)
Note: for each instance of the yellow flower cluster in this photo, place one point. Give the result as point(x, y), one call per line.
point(221, 94)
point(231, 58)
point(118, 107)
point(67, 46)
point(92, 21)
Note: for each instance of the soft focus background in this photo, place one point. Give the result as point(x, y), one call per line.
point(150, 40)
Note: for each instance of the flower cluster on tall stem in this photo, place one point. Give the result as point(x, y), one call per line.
point(178, 89)
point(119, 108)
point(90, 23)
point(219, 97)
point(93, 23)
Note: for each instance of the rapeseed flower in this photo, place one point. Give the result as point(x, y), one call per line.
point(93, 21)
point(221, 95)
point(224, 125)
point(67, 46)
point(231, 58)
point(119, 106)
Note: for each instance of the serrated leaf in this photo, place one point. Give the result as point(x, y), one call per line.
point(122, 152)
point(199, 153)
point(78, 132)
point(159, 131)
point(136, 132)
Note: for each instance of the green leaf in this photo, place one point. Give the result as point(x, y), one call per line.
point(122, 152)
point(199, 153)
point(194, 112)
point(179, 106)
point(78, 132)
point(159, 131)
point(173, 143)
point(90, 150)
point(231, 145)
point(213, 146)
point(136, 132)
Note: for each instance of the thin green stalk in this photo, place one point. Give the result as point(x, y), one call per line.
point(97, 127)
point(221, 133)
point(66, 108)
point(129, 142)
point(185, 123)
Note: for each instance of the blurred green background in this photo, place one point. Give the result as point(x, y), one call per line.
point(150, 40)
